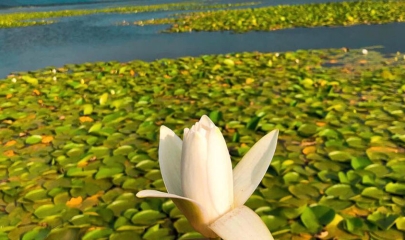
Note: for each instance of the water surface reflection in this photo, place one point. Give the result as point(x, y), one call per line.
point(43, 5)
point(23, 49)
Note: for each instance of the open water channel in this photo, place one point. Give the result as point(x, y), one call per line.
point(98, 37)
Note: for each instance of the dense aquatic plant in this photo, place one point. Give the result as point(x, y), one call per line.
point(287, 16)
point(78, 142)
point(25, 19)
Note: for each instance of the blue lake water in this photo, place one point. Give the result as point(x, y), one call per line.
point(25, 3)
point(98, 38)
point(53, 5)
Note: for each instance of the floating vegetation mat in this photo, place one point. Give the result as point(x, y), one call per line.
point(287, 16)
point(78, 142)
point(25, 19)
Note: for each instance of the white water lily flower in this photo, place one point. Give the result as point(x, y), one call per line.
point(199, 179)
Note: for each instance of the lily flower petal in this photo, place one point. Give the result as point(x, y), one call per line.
point(241, 223)
point(250, 171)
point(192, 210)
point(198, 175)
point(220, 168)
point(206, 169)
point(170, 160)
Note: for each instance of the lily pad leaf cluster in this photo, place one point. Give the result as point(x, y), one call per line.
point(79, 141)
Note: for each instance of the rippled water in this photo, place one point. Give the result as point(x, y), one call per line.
point(54, 5)
point(86, 5)
point(98, 38)
point(25, 3)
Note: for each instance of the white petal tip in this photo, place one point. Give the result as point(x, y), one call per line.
point(206, 121)
point(270, 139)
point(163, 127)
point(165, 131)
point(142, 194)
point(275, 133)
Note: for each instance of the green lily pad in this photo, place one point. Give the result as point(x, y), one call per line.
point(383, 221)
point(125, 235)
point(396, 188)
point(123, 150)
point(105, 172)
point(342, 191)
point(103, 99)
point(274, 222)
point(310, 221)
point(400, 223)
point(146, 217)
point(48, 210)
point(340, 156)
point(324, 214)
point(119, 206)
point(156, 233)
point(387, 235)
point(37, 194)
point(354, 225)
point(97, 233)
point(33, 139)
point(307, 130)
point(373, 192)
point(81, 220)
point(329, 133)
point(96, 127)
point(63, 233)
point(183, 226)
point(36, 233)
point(87, 109)
point(360, 162)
